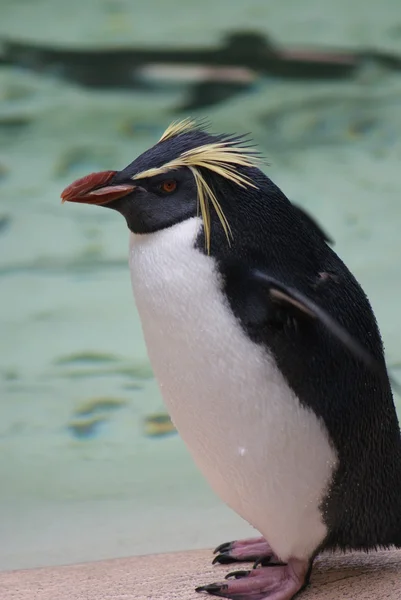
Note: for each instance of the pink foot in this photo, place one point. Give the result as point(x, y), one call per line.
point(249, 550)
point(265, 583)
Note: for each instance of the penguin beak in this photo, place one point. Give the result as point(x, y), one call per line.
point(93, 189)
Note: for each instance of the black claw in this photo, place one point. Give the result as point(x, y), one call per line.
point(211, 588)
point(224, 559)
point(263, 561)
point(237, 574)
point(225, 547)
point(267, 561)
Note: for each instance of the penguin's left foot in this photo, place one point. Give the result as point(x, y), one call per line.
point(265, 583)
point(249, 550)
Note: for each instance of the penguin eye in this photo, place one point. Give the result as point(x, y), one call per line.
point(168, 186)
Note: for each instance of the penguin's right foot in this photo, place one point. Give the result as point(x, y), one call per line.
point(266, 583)
point(249, 550)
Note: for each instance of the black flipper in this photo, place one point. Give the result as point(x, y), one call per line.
point(312, 224)
point(287, 295)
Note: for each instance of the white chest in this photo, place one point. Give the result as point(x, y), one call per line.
point(261, 451)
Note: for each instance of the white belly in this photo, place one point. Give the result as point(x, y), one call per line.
point(264, 454)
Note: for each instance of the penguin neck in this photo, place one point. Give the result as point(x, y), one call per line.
point(185, 234)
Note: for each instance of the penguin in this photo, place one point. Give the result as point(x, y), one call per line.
point(267, 354)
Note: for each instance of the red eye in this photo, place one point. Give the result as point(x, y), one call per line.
point(168, 186)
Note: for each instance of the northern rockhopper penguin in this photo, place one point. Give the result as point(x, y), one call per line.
point(267, 354)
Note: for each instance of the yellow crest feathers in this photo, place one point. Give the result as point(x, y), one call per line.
point(222, 156)
point(178, 127)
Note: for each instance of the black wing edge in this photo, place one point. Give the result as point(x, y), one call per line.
point(285, 294)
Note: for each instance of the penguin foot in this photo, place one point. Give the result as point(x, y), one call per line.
point(266, 583)
point(249, 550)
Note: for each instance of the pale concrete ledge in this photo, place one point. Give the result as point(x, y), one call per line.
point(173, 577)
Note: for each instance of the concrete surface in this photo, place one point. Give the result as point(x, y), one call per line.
point(174, 576)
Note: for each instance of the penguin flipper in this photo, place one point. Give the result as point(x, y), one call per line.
point(312, 224)
point(289, 296)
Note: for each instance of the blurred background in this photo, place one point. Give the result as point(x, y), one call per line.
point(90, 465)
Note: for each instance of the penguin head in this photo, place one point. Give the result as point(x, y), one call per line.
point(189, 172)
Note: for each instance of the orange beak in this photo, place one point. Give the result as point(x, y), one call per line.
point(93, 189)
